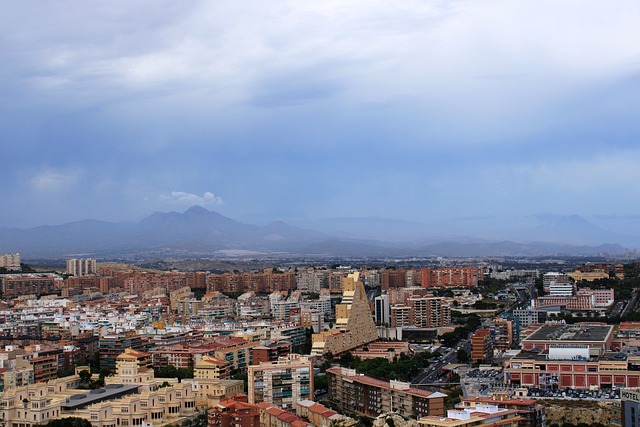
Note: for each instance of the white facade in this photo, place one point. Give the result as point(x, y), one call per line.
point(81, 266)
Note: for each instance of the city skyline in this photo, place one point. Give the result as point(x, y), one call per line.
point(263, 111)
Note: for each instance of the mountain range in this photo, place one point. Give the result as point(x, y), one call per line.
point(198, 232)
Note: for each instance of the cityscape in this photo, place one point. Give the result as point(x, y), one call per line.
point(430, 342)
point(275, 213)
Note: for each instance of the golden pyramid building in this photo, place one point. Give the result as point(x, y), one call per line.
point(354, 322)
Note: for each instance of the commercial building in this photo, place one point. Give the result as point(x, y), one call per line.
point(597, 337)
point(574, 366)
point(353, 392)
point(630, 407)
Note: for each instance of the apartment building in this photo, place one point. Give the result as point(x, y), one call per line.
point(283, 382)
point(211, 368)
point(81, 266)
point(15, 285)
point(451, 277)
point(353, 392)
point(234, 412)
point(111, 346)
point(429, 312)
point(10, 261)
point(270, 351)
point(481, 346)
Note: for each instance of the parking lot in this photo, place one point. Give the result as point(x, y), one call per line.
point(605, 393)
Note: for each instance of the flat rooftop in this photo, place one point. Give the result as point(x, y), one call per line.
point(112, 391)
point(571, 333)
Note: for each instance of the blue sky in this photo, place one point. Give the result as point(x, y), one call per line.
point(289, 110)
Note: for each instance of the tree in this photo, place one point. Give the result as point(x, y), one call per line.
point(68, 422)
point(463, 356)
point(85, 377)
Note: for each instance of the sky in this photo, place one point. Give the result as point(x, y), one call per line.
point(296, 110)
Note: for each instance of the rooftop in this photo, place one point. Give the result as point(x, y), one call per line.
point(575, 332)
point(112, 391)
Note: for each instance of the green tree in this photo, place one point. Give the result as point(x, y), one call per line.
point(68, 422)
point(463, 356)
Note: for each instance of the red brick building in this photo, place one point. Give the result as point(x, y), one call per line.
point(234, 412)
point(453, 277)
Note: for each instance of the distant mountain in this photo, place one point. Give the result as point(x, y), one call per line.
point(198, 232)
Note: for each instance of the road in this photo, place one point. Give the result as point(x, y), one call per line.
point(433, 376)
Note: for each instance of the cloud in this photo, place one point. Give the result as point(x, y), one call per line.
point(50, 180)
point(190, 199)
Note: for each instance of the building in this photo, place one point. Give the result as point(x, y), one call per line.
point(132, 397)
point(630, 407)
point(400, 315)
point(574, 366)
point(283, 382)
point(529, 316)
point(353, 392)
point(236, 352)
point(478, 415)
point(382, 310)
point(553, 277)
point(270, 351)
point(429, 312)
point(211, 368)
point(111, 346)
point(234, 412)
point(597, 337)
point(81, 266)
point(272, 416)
point(357, 329)
point(562, 289)
point(453, 277)
point(393, 279)
point(10, 261)
point(481, 346)
point(15, 285)
point(531, 412)
point(319, 415)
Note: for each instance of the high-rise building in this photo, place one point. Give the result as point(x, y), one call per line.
point(382, 310)
point(283, 382)
point(481, 346)
point(354, 330)
point(10, 261)
point(81, 266)
point(429, 312)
